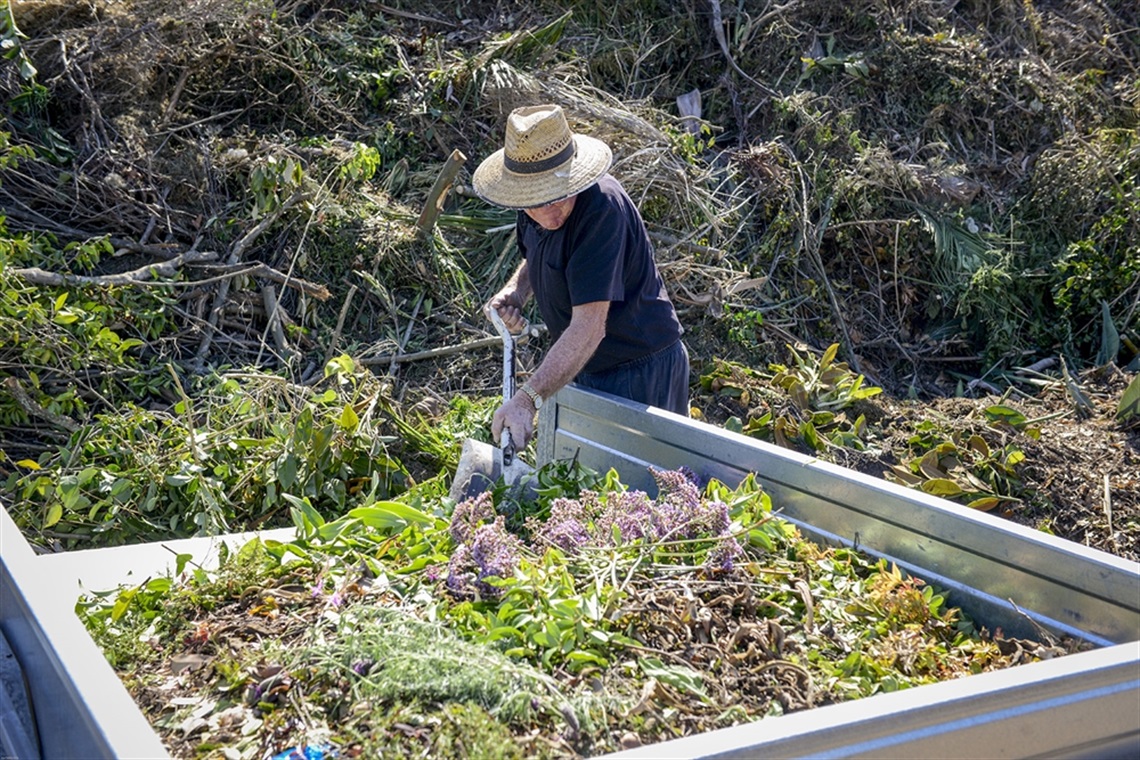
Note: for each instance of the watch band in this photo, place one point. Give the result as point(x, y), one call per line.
point(534, 397)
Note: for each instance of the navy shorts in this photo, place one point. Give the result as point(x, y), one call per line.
point(660, 379)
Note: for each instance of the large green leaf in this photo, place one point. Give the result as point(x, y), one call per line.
point(1109, 337)
point(942, 487)
point(1129, 409)
point(390, 515)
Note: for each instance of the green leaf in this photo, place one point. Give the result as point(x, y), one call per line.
point(54, 514)
point(287, 472)
point(349, 419)
point(978, 444)
point(329, 532)
point(829, 356)
point(1129, 408)
point(761, 539)
point(1109, 337)
point(984, 504)
point(390, 515)
point(677, 676)
point(311, 517)
point(999, 413)
point(504, 632)
point(122, 603)
point(584, 656)
point(942, 487)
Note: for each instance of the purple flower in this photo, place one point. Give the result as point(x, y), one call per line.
point(361, 667)
point(682, 481)
point(562, 509)
point(631, 513)
point(569, 535)
point(723, 556)
point(469, 515)
point(566, 526)
point(495, 552)
point(459, 575)
point(492, 552)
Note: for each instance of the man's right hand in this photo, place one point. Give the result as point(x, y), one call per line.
point(510, 310)
point(516, 415)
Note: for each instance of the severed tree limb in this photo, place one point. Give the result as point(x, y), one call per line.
point(432, 353)
point(339, 325)
point(32, 217)
point(28, 404)
point(139, 276)
point(414, 16)
point(670, 240)
point(438, 193)
point(407, 333)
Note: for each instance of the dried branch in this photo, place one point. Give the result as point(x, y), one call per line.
point(234, 258)
point(140, 276)
point(718, 30)
point(273, 314)
point(438, 194)
point(320, 292)
point(433, 353)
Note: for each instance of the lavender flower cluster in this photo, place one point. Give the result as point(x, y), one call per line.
point(484, 549)
point(678, 513)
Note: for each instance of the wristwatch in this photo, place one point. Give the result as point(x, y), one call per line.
point(534, 397)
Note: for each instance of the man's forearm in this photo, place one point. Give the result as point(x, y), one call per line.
point(572, 350)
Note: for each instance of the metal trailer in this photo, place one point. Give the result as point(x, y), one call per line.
point(61, 699)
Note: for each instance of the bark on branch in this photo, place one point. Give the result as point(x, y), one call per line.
point(438, 194)
point(29, 405)
point(140, 276)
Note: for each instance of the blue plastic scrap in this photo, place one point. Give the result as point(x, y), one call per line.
point(310, 752)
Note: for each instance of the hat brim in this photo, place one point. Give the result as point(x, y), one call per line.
point(496, 184)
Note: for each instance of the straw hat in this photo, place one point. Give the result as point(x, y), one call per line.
point(541, 162)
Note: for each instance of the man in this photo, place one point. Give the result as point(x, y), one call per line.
point(589, 264)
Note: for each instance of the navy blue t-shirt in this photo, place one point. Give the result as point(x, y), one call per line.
point(601, 253)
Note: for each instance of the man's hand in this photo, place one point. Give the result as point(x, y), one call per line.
point(517, 415)
point(509, 301)
point(510, 309)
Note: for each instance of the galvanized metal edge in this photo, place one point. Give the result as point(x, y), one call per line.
point(80, 706)
point(996, 570)
point(1081, 706)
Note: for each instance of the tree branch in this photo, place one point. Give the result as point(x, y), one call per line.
point(140, 276)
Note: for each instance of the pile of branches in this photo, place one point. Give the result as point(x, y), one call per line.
point(944, 190)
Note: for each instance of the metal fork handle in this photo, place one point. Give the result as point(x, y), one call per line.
point(507, 446)
point(508, 353)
